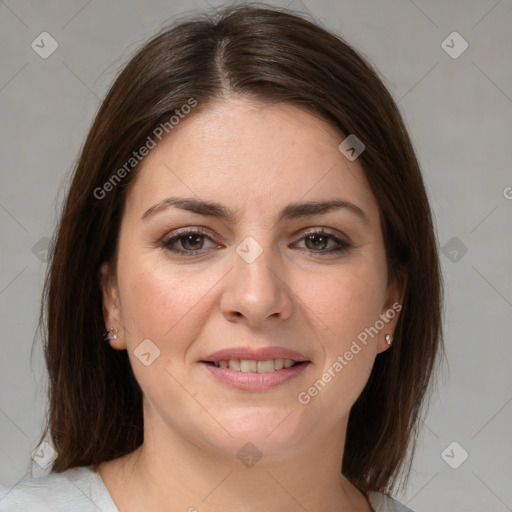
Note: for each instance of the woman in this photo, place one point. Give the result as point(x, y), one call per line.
point(248, 227)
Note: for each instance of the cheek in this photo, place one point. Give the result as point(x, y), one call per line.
point(344, 302)
point(162, 302)
point(167, 307)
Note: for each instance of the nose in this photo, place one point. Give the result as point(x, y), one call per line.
point(256, 291)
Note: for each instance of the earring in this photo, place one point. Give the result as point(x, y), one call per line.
point(108, 337)
point(388, 339)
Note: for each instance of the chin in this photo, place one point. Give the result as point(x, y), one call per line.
point(270, 430)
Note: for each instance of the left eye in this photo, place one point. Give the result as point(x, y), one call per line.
point(324, 242)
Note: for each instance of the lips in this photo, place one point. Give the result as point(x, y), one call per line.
point(254, 380)
point(254, 354)
point(252, 369)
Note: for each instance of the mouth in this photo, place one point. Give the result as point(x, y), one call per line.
point(255, 375)
point(255, 366)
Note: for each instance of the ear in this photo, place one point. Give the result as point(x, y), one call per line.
point(391, 310)
point(110, 306)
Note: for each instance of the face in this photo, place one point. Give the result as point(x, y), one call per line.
point(247, 231)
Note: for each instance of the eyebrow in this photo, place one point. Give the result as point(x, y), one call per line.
point(217, 210)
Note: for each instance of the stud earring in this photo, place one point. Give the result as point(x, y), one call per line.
point(388, 339)
point(108, 337)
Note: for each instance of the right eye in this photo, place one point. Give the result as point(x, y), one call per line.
point(187, 242)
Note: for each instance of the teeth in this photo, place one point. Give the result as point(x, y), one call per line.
point(265, 366)
point(250, 365)
point(234, 364)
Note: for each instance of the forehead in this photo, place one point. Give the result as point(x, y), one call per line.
point(251, 155)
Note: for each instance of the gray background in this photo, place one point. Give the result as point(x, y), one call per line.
point(459, 112)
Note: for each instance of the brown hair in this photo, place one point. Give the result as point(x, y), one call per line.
point(273, 55)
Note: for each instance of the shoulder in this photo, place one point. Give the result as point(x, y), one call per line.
point(75, 489)
point(382, 503)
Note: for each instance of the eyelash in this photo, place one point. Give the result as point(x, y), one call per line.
point(343, 245)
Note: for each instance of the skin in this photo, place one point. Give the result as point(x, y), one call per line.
point(254, 159)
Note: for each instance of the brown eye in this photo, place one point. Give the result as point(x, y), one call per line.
point(316, 242)
point(192, 242)
point(324, 243)
point(189, 242)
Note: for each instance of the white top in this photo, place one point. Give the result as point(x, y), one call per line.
point(82, 490)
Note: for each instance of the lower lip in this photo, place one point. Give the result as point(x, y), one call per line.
point(253, 381)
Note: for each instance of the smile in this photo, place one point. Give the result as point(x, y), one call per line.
point(250, 365)
point(253, 375)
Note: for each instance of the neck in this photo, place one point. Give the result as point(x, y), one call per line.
point(172, 469)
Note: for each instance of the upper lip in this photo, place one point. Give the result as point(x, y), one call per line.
point(257, 354)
